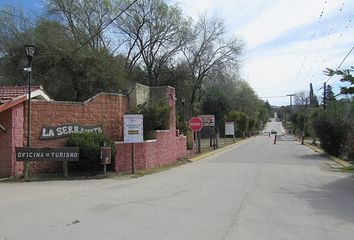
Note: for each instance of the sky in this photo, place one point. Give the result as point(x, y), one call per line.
point(289, 43)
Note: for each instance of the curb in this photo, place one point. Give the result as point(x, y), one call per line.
point(337, 160)
point(208, 154)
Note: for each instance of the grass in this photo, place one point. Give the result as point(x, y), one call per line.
point(348, 169)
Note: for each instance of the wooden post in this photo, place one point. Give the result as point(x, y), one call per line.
point(133, 158)
point(65, 169)
point(199, 144)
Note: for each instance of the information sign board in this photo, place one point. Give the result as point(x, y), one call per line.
point(229, 128)
point(208, 120)
point(133, 128)
point(47, 154)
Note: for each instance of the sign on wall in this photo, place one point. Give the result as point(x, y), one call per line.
point(229, 128)
point(47, 154)
point(51, 132)
point(208, 120)
point(133, 128)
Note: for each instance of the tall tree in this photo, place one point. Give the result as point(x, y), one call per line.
point(153, 33)
point(84, 19)
point(207, 53)
point(330, 94)
point(313, 99)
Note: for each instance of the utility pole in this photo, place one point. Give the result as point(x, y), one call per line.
point(291, 101)
point(324, 95)
point(291, 106)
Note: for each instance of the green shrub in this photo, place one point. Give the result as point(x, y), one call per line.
point(156, 116)
point(89, 144)
point(332, 130)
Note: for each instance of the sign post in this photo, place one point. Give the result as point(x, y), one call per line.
point(196, 124)
point(230, 129)
point(65, 155)
point(133, 133)
point(105, 157)
point(209, 121)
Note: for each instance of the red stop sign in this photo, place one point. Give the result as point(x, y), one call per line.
point(195, 124)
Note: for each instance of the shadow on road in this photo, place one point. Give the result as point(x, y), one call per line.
point(312, 157)
point(335, 200)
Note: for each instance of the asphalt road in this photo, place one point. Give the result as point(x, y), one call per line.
point(256, 190)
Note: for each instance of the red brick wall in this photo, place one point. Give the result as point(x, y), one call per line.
point(166, 149)
point(12, 120)
point(105, 109)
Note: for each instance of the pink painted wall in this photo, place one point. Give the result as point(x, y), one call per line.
point(13, 120)
point(166, 149)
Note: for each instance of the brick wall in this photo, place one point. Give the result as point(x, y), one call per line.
point(12, 120)
point(166, 149)
point(104, 109)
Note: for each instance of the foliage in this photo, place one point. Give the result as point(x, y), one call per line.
point(332, 129)
point(89, 144)
point(156, 116)
point(215, 103)
point(346, 75)
point(241, 121)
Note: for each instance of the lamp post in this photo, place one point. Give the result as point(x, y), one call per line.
point(30, 50)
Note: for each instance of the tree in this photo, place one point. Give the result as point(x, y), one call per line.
point(332, 129)
point(241, 121)
point(313, 99)
point(208, 52)
point(153, 33)
point(64, 76)
point(84, 19)
point(329, 94)
point(346, 76)
point(215, 103)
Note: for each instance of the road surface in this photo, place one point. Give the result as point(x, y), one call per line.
point(256, 190)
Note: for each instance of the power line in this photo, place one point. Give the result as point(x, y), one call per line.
point(324, 43)
point(100, 30)
point(310, 45)
point(345, 58)
point(274, 97)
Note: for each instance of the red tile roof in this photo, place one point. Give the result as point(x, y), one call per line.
point(8, 93)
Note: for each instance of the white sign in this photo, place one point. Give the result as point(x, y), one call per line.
point(133, 128)
point(208, 120)
point(229, 128)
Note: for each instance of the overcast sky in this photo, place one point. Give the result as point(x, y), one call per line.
point(288, 42)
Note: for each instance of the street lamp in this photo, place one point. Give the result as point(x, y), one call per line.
point(30, 51)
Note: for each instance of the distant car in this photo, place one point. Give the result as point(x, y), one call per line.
point(273, 131)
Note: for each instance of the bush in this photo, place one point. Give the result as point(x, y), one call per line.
point(89, 144)
point(156, 116)
point(332, 130)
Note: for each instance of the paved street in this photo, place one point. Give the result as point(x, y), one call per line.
point(255, 190)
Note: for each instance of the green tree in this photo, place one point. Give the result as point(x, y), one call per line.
point(215, 103)
point(346, 76)
point(332, 129)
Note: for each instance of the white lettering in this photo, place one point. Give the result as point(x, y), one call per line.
point(59, 131)
point(65, 130)
point(70, 129)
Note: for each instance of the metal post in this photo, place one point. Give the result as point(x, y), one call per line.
point(26, 167)
point(133, 158)
point(324, 95)
point(275, 139)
